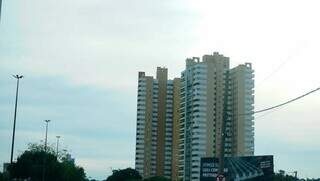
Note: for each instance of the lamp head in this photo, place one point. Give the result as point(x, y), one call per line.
point(17, 76)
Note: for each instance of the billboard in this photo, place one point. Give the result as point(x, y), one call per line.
point(238, 168)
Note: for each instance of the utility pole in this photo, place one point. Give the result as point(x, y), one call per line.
point(18, 77)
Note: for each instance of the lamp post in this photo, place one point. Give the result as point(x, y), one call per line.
point(46, 139)
point(45, 150)
point(58, 137)
point(18, 77)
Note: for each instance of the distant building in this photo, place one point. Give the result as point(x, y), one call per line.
point(157, 137)
point(213, 95)
point(205, 113)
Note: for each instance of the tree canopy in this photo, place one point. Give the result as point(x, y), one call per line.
point(37, 162)
point(127, 174)
point(157, 178)
point(130, 174)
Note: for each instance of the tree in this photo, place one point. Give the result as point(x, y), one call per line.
point(157, 178)
point(36, 162)
point(127, 174)
point(281, 177)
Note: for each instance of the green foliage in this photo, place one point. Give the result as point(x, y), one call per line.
point(157, 178)
point(127, 174)
point(280, 177)
point(4, 176)
point(35, 162)
point(130, 174)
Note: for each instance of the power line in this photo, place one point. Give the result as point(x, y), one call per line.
point(282, 104)
point(265, 114)
point(297, 50)
point(279, 67)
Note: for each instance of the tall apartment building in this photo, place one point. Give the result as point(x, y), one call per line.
point(158, 118)
point(242, 95)
point(214, 98)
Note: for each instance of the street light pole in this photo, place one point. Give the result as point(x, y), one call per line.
point(18, 77)
point(46, 139)
point(45, 150)
point(58, 137)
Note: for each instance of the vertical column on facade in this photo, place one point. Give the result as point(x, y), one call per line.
point(168, 130)
point(144, 125)
point(186, 111)
point(148, 127)
point(249, 101)
point(199, 117)
point(228, 130)
point(182, 125)
point(175, 130)
point(155, 99)
point(141, 108)
point(211, 109)
point(162, 78)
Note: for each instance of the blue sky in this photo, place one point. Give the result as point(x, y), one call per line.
point(81, 58)
point(94, 125)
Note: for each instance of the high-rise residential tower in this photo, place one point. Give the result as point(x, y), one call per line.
point(214, 103)
point(242, 95)
point(157, 125)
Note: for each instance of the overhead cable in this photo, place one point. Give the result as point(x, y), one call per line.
point(282, 104)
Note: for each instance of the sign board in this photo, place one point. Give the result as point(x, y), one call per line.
point(237, 167)
point(209, 168)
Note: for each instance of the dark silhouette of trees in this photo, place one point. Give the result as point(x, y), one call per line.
point(130, 174)
point(157, 178)
point(36, 162)
point(127, 174)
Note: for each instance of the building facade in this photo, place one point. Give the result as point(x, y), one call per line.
point(242, 96)
point(206, 113)
point(157, 119)
point(214, 100)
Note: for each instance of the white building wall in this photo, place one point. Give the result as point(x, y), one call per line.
point(141, 107)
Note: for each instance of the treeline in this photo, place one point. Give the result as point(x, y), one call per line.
point(130, 174)
point(38, 163)
point(281, 177)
